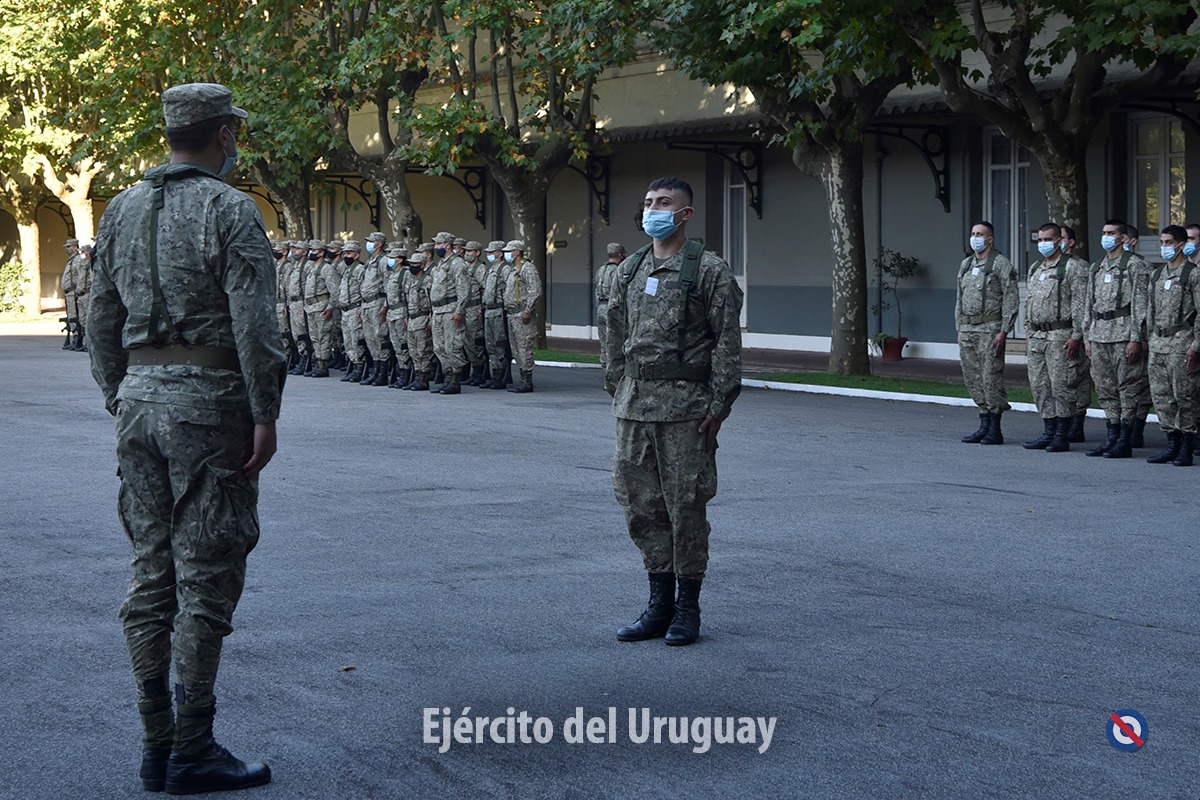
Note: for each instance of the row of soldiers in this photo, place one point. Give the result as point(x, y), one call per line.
point(449, 312)
point(1121, 323)
point(76, 284)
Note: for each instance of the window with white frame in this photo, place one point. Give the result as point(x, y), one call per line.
point(1159, 177)
point(1006, 206)
point(736, 203)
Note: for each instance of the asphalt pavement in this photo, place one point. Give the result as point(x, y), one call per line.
point(920, 618)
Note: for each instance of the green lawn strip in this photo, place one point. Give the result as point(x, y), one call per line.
point(563, 355)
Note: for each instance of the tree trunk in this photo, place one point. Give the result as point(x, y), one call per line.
point(526, 194)
point(400, 221)
point(293, 200)
point(27, 231)
point(74, 190)
point(1066, 193)
point(841, 173)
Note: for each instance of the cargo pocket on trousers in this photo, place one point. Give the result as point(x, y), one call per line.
point(233, 510)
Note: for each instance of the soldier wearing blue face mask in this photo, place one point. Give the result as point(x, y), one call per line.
point(1083, 392)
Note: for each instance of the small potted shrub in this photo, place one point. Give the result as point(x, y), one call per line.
point(892, 267)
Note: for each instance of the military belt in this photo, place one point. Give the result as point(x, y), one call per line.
point(1123, 311)
point(318, 299)
point(352, 306)
point(667, 372)
point(494, 306)
point(182, 355)
point(1042, 327)
point(418, 314)
point(1171, 331)
point(473, 303)
point(445, 306)
point(979, 319)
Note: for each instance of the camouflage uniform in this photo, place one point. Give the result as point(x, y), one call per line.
point(295, 300)
point(986, 304)
point(604, 278)
point(495, 330)
point(417, 321)
point(473, 341)
point(83, 284)
point(1144, 401)
point(184, 424)
point(449, 286)
point(374, 275)
point(1054, 311)
point(663, 476)
point(68, 286)
point(397, 307)
point(333, 257)
point(1174, 328)
point(351, 300)
point(316, 304)
point(282, 268)
point(1114, 314)
point(1083, 390)
point(522, 288)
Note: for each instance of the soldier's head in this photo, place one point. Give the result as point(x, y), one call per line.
point(277, 249)
point(442, 243)
point(416, 262)
point(460, 245)
point(395, 254)
point(1112, 235)
point(351, 251)
point(1172, 239)
point(616, 252)
point(514, 251)
point(375, 242)
point(471, 251)
point(202, 125)
point(333, 250)
point(494, 251)
point(85, 250)
point(316, 249)
point(296, 251)
point(1131, 237)
point(666, 208)
point(1193, 240)
point(1068, 239)
point(983, 236)
point(71, 246)
point(1048, 237)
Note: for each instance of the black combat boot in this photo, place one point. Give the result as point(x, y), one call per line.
point(322, 369)
point(402, 378)
point(1187, 446)
point(158, 723)
point(526, 384)
point(298, 367)
point(310, 365)
point(1121, 448)
point(477, 375)
point(1046, 437)
point(985, 422)
point(421, 384)
point(1114, 433)
point(1076, 434)
point(685, 627)
point(498, 381)
point(994, 435)
point(384, 376)
point(372, 366)
point(66, 345)
point(1172, 451)
point(349, 376)
point(452, 385)
point(198, 764)
point(1062, 436)
point(1138, 437)
point(79, 345)
point(655, 620)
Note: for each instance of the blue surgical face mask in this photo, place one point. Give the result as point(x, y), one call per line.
point(979, 243)
point(1126, 246)
point(391, 262)
point(1046, 249)
point(491, 257)
point(440, 252)
point(1063, 245)
point(370, 247)
point(509, 256)
point(1189, 249)
point(1168, 253)
point(230, 160)
point(1109, 243)
point(658, 224)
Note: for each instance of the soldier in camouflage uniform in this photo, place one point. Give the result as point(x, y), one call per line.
point(194, 373)
point(71, 246)
point(1114, 318)
point(351, 300)
point(495, 328)
point(1055, 295)
point(333, 257)
point(374, 311)
point(449, 286)
point(396, 258)
point(1083, 392)
point(674, 368)
point(418, 323)
point(319, 310)
point(1174, 327)
point(83, 285)
point(282, 252)
point(985, 311)
point(522, 288)
point(295, 300)
point(476, 270)
point(604, 277)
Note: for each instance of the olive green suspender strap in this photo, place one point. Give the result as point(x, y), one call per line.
point(158, 306)
point(1184, 274)
point(692, 251)
point(1121, 266)
point(988, 266)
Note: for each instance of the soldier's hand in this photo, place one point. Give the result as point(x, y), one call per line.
point(264, 449)
point(383, 313)
point(710, 426)
point(1087, 348)
point(525, 317)
point(998, 343)
point(329, 313)
point(1133, 351)
point(1072, 348)
point(458, 319)
point(1191, 360)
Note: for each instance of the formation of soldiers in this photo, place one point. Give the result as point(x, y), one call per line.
point(76, 284)
point(1122, 324)
point(450, 313)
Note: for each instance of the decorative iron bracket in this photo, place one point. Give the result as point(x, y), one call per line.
point(746, 157)
point(358, 185)
point(1172, 108)
point(932, 147)
point(473, 180)
point(596, 173)
point(56, 206)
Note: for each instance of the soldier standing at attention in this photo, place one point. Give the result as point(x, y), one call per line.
point(417, 323)
point(522, 288)
point(1083, 391)
point(604, 276)
point(449, 285)
point(71, 246)
point(395, 258)
point(83, 285)
point(473, 311)
point(185, 346)
point(351, 302)
point(295, 300)
point(495, 330)
point(1112, 329)
point(985, 312)
point(674, 368)
point(319, 310)
point(1054, 322)
point(333, 257)
point(374, 310)
point(1174, 328)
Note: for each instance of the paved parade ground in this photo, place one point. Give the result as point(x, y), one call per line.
point(888, 613)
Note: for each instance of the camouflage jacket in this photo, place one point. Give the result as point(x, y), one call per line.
point(1115, 299)
point(395, 288)
point(1051, 303)
point(522, 287)
point(449, 285)
point(374, 278)
point(643, 331)
point(218, 283)
point(475, 275)
point(493, 284)
point(1171, 305)
point(82, 271)
point(988, 295)
point(604, 276)
point(416, 295)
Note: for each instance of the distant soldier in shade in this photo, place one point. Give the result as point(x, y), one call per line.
point(522, 288)
point(418, 324)
point(495, 328)
point(604, 277)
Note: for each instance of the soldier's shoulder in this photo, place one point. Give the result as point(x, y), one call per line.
point(1002, 262)
point(710, 260)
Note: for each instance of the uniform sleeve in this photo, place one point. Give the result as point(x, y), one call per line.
point(462, 283)
point(83, 276)
point(106, 320)
point(1140, 300)
point(249, 281)
point(1077, 276)
point(1194, 279)
point(1089, 289)
point(529, 296)
point(614, 343)
point(958, 296)
point(1012, 297)
point(724, 317)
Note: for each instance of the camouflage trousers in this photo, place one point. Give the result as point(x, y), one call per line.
point(71, 306)
point(602, 330)
point(335, 325)
point(320, 331)
point(299, 323)
point(448, 341)
point(1083, 393)
point(374, 329)
point(395, 326)
point(81, 305)
point(1053, 377)
point(281, 314)
point(192, 518)
point(983, 371)
point(521, 337)
point(352, 334)
point(495, 336)
point(1174, 390)
point(420, 346)
point(663, 480)
point(473, 342)
point(1119, 384)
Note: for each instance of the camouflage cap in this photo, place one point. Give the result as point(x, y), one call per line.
point(376, 237)
point(515, 244)
point(396, 250)
point(334, 244)
point(316, 244)
point(460, 242)
point(195, 102)
point(296, 244)
point(417, 256)
point(444, 238)
point(426, 247)
point(86, 247)
point(351, 247)
point(71, 243)
point(473, 245)
point(616, 249)
point(494, 247)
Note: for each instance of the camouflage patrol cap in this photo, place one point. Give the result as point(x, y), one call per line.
point(473, 245)
point(351, 247)
point(190, 103)
point(494, 247)
point(616, 249)
point(515, 244)
point(460, 242)
point(334, 244)
point(444, 238)
point(296, 244)
point(426, 247)
point(71, 243)
point(316, 244)
point(376, 237)
point(396, 251)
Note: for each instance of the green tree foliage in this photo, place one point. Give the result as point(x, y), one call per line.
point(821, 69)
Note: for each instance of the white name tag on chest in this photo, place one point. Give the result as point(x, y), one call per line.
point(652, 286)
point(1108, 278)
point(975, 271)
point(1042, 277)
point(1167, 284)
